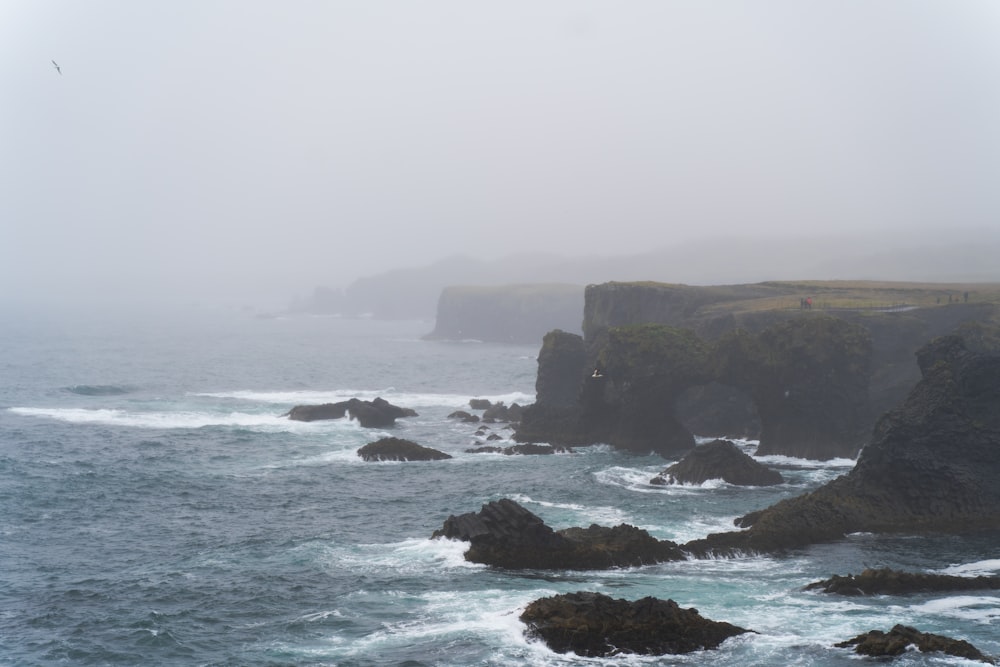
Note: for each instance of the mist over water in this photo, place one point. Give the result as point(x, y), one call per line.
point(182, 520)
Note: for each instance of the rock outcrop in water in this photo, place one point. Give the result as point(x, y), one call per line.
point(719, 459)
point(595, 625)
point(398, 449)
point(377, 413)
point(885, 581)
point(504, 534)
point(932, 465)
point(898, 640)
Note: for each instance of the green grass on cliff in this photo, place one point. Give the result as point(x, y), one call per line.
point(835, 295)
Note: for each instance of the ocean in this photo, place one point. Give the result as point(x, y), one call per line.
point(157, 509)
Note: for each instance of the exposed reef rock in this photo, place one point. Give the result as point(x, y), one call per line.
point(377, 413)
point(932, 466)
point(398, 449)
point(898, 640)
point(719, 459)
point(808, 378)
point(506, 313)
point(885, 581)
point(595, 625)
point(504, 534)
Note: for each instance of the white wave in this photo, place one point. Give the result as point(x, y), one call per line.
point(638, 479)
point(976, 608)
point(793, 462)
point(402, 398)
point(605, 516)
point(179, 419)
point(979, 568)
point(413, 556)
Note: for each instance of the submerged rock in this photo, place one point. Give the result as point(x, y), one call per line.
point(595, 625)
point(505, 534)
point(398, 449)
point(719, 459)
point(885, 581)
point(898, 640)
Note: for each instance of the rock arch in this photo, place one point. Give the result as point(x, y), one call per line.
point(808, 378)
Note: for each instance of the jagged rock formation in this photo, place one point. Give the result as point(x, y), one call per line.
point(932, 465)
point(719, 459)
point(398, 449)
point(808, 378)
point(595, 625)
point(885, 581)
point(504, 534)
point(506, 313)
point(898, 640)
point(377, 413)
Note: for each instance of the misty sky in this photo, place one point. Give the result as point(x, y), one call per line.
point(248, 149)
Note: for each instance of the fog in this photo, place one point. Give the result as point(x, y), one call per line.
point(243, 151)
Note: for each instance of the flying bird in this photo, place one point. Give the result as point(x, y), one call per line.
point(56, 65)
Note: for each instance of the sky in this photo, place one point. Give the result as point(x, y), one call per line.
point(249, 150)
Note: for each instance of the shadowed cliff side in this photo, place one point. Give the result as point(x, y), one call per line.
point(932, 465)
point(808, 377)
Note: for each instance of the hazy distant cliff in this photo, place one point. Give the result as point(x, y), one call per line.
point(507, 313)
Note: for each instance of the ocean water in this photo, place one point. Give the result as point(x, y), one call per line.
point(156, 508)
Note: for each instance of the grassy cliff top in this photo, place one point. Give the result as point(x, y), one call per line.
point(831, 295)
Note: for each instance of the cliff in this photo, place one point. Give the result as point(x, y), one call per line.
point(932, 464)
point(808, 378)
point(807, 367)
point(507, 313)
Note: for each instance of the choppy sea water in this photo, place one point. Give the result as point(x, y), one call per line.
point(155, 508)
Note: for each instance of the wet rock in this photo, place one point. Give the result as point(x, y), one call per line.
point(898, 640)
point(376, 413)
point(885, 581)
point(595, 625)
point(480, 404)
point(464, 416)
point(398, 449)
point(719, 459)
point(505, 534)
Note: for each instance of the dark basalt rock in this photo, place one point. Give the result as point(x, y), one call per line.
point(398, 449)
point(886, 581)
point(480, 403)
point(595, 625)
point(464, 416)
point(504, 534)
point(932, 466)
point(719, 459)
point(896, 642)
point(498, 412)
point(376, 413)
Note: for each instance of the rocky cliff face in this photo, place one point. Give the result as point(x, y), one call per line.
point(932, 464)
point(808, 377)
point(809, 383)
point(507, 313)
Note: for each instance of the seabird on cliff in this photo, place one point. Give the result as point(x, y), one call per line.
point(56, 65)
